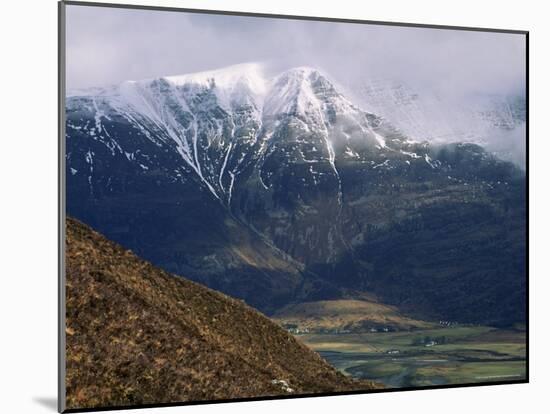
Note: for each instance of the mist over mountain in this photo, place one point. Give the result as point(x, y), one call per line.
point(454, 77)
point(496, 121)
point(278, 189)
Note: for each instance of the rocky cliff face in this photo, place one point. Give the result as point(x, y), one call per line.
point(279, 189)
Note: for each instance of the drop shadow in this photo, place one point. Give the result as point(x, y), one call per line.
point(48, 402)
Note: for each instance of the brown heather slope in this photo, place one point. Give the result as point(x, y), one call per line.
point(138, 335)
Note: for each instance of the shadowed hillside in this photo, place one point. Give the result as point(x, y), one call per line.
point(137, 335)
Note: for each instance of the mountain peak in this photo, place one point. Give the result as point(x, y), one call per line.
point(298, 90)
point(251, 73)
point(302, 71)
point(236, 83)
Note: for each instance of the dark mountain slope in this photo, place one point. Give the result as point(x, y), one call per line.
point(281, 191)
point(137, 335)
point(440, 243)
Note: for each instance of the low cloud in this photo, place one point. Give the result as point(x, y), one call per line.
point(108, 45)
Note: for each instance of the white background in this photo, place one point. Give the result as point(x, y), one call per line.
point(28, 203)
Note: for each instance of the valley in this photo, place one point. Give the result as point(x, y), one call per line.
point(346, 316)
point(424, 357)
point(399, 260)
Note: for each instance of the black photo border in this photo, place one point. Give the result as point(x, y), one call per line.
point(62, 199)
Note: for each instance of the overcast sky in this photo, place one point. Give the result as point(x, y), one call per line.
point(109, 45)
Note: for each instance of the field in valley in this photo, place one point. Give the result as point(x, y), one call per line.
point(437, 356)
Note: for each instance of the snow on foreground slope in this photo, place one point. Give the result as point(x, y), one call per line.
point(222, 122)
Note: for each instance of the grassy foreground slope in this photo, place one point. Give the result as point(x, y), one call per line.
point(138, 335)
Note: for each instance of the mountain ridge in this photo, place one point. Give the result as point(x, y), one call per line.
point(192, 184)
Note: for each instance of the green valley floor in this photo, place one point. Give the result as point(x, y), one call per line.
point(424, 357)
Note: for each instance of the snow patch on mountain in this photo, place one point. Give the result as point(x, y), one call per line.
point(221, 122)
point(292, 93)
point(233, 85)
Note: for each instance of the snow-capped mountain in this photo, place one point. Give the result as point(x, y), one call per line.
point(221, 121)
point(278, 188)
point(237, 130)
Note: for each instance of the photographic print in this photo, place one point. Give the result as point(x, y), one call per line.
point(264, 207)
